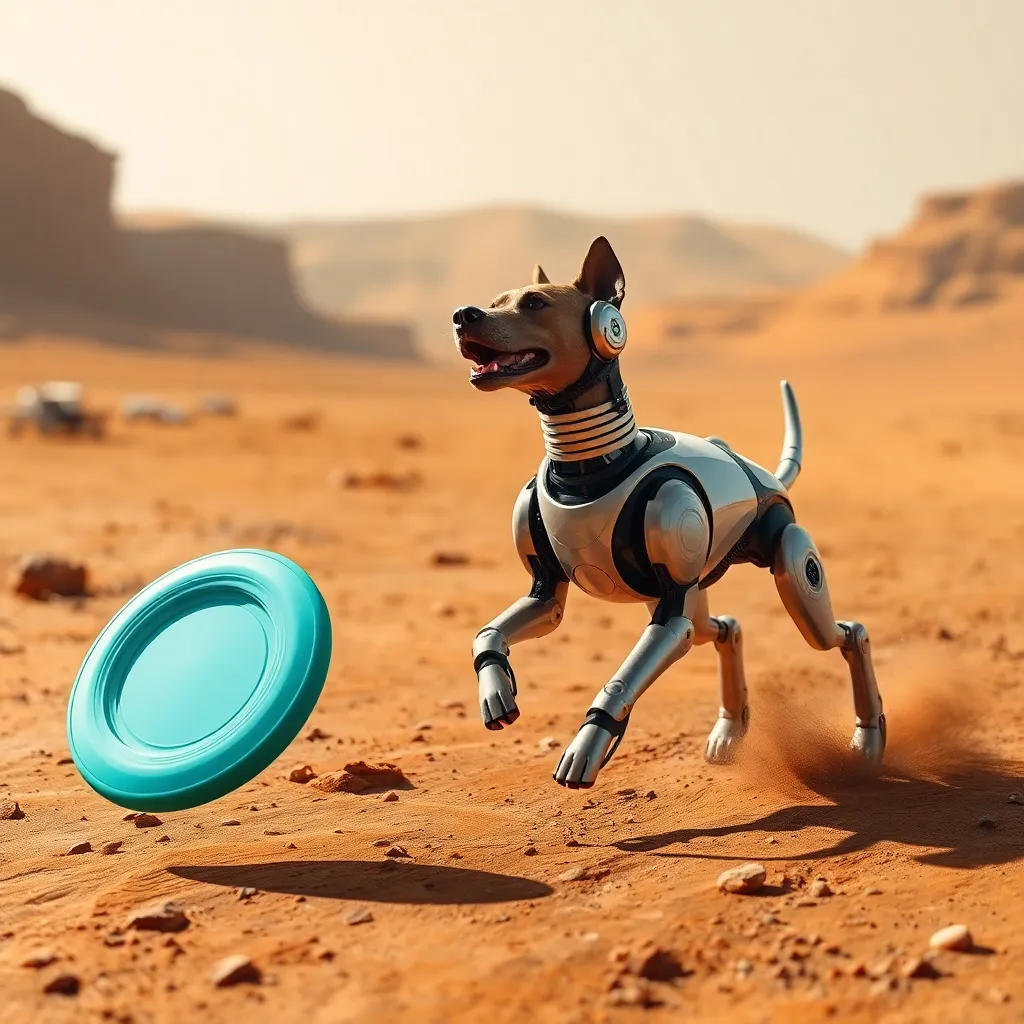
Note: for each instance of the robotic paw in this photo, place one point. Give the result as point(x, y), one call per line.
point(724, 739)
point(869, 741)
point(590, 751)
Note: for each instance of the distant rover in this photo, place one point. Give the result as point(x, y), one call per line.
point(54, 408)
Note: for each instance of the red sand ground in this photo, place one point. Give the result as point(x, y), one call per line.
point(914, 490)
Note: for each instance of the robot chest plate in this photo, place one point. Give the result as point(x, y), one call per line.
point(581, 534)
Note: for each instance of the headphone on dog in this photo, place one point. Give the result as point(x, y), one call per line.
point(605, 330)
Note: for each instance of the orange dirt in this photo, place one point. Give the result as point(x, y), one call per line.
point(913, 488)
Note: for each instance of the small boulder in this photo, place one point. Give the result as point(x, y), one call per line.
point(301, 774)
point(41, 577)
point(10, 811)
point(956, 937)
point(742, 880)
point(146, 821)
point(159, 917)
point(235, 970)
point(362, 777)
point(63, 985)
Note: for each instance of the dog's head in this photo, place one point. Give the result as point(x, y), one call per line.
point(534, 339)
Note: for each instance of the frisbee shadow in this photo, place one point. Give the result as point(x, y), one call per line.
point(370, 881)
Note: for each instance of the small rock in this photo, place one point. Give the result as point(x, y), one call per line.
point(659, 965)
point(882, 968)
point(290, 846)
point(872, 891)
point(10, 811)
point(235, 970)
point(41, 577)
point(742, 880)
point(230, 821)
point(548, 743)
point(997, 995)
point(146, 821)
point(883, 987)
point(39, 958)
point(361, 777)
point(577, 874)
point(302, 774)
point(160, 917)
point(316, 733)
point(820, 889)
point(381, 842)
point(423, 727)
point(110, 848)
point(442, 558)
point(396, 851)
point(113, 939)
point(650, 795)
point(130, 816)
point(530, 851)
point(79, 848)
point(63, 985)
point(1013, 798)
point(986, 822)
point(247, 892)
point(744, 968)
point(164, 839)
point(390, 797)
point(361, 916)
point(945, 633)
point(919, 967)
point(957, 937)
point(633, 994)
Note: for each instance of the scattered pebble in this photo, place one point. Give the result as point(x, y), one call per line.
point(146, 821)
point(576, 874)
point(956, 937)
point(230, 821)
point(820, 889)
point(63, 985)
point(160, 917)
point(235, 970)
point(360, 916)
point(39, 958)
point(302, 774)
point(390, 796)
point(79, 848)
point(10, 811)
point(441, 558)
point(742, 880)
point(919, 967)
point(396, 851)
point(110, 848)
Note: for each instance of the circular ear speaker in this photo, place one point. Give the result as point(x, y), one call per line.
point(607, 330)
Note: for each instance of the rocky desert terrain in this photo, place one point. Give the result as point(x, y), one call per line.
point(477, 889)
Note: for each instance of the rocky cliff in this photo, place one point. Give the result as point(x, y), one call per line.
point(60, 245)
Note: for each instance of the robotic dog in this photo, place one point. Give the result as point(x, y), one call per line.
point(638, 515)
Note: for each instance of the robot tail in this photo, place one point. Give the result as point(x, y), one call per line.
point(793, 442)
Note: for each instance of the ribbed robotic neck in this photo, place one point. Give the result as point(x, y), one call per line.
point(594, 433)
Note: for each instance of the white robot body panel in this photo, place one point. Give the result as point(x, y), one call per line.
point(581, 534)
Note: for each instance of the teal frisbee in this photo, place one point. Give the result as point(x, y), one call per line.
point(200, 681)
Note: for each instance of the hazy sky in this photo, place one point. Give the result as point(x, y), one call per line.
point(831, 115)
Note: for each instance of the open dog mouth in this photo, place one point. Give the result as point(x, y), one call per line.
point(491, 362)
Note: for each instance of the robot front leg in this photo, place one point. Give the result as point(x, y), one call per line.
point(529, 618)
point(660, 645)
point(800, 580)
point(734, 710)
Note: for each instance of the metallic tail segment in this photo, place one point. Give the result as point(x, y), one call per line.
point(793, 442)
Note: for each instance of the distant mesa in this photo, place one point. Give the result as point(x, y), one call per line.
point(961, 249)
point(60, 246)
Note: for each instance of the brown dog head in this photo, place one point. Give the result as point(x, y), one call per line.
point(534, 339)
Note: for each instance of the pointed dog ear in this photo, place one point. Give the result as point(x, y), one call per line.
point(539, 277)
point(601, 275)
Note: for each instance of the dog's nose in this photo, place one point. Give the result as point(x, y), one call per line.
point(466, 315)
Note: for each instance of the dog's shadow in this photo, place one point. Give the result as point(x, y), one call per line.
point(964, 821)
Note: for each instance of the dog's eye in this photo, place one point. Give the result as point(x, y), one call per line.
point(533, 302)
